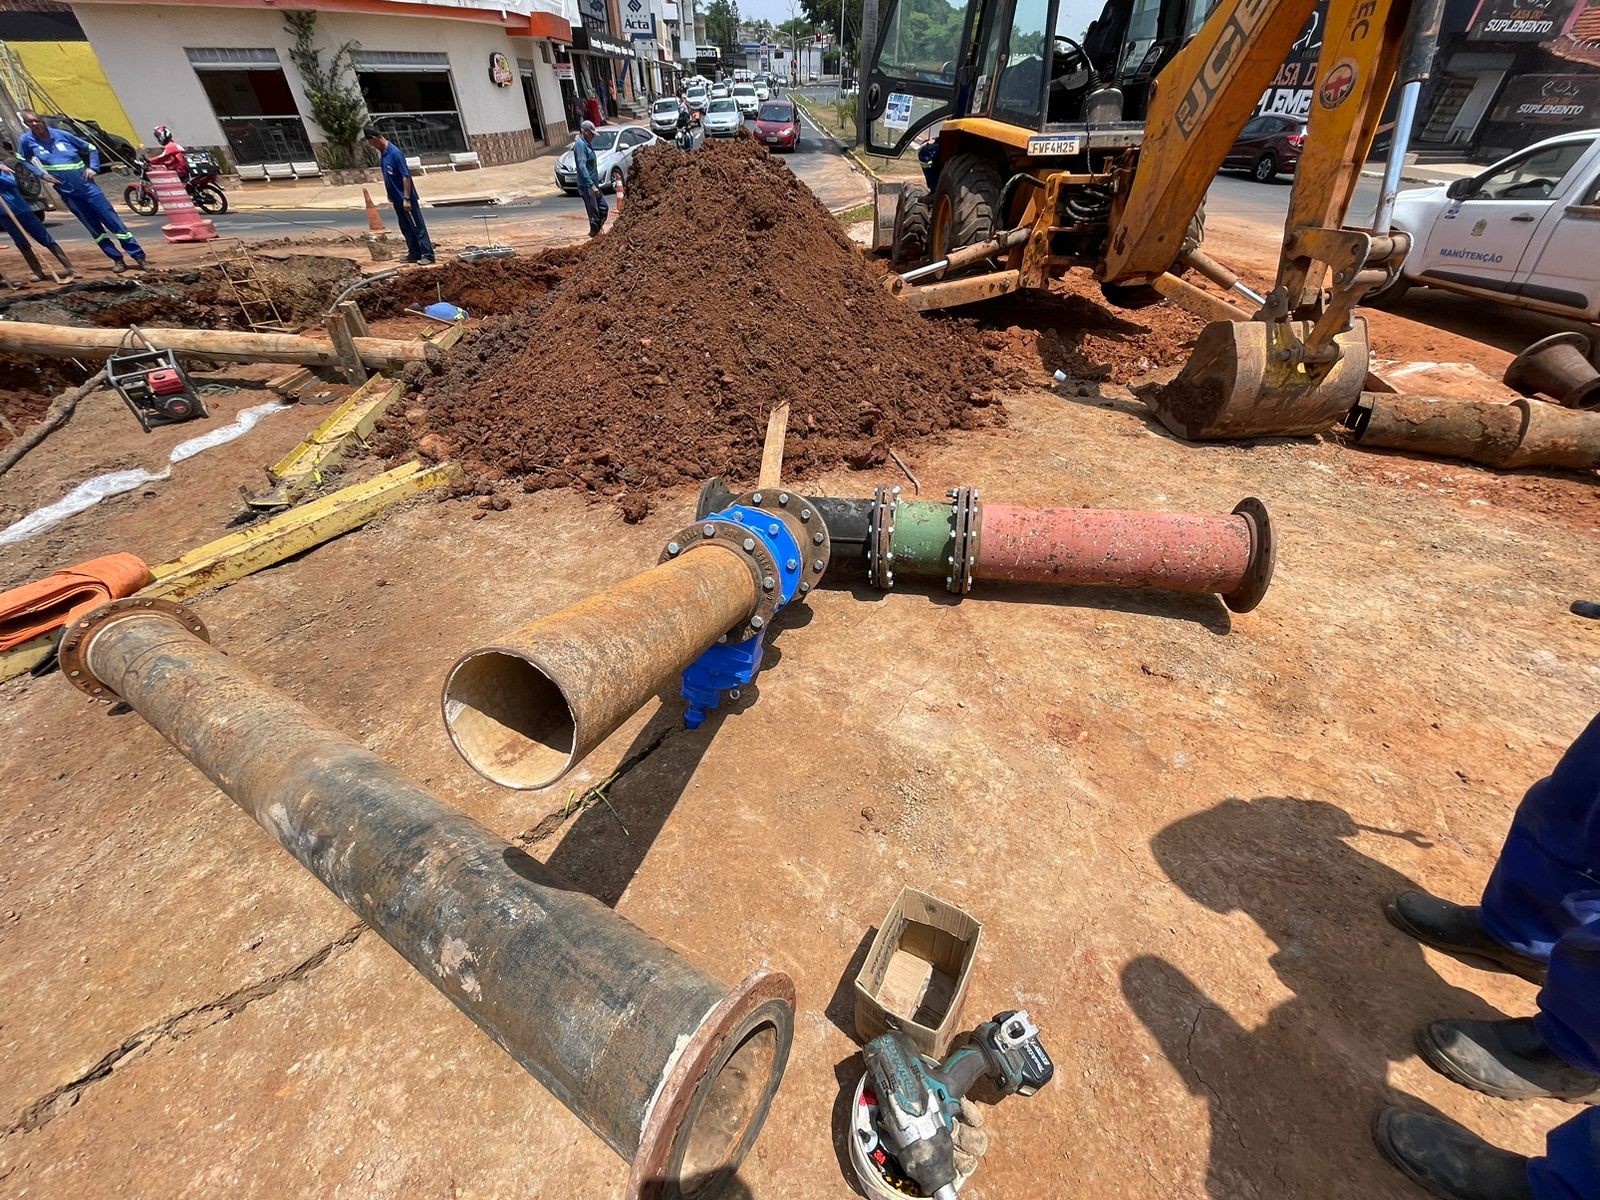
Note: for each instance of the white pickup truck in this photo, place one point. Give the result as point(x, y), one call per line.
point(1526, 232)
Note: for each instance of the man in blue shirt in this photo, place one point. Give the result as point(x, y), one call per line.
point(70, 163)
point(588, 168)
point(403, 195)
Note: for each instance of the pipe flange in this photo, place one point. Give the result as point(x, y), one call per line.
point(806, 526)
point(717, 531)
point(1263, 557)
point(880, 534)
point(965, 521)
point(74, 649)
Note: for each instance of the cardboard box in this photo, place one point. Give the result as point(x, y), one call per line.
point(917, 972)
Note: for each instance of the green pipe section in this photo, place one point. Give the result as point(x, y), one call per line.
point(921, 539)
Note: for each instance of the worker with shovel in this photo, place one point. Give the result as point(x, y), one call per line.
point(1539, 919)
point(70, 163)
point(588, 168)
point(21, 222)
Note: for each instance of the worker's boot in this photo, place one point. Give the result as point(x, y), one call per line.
point(32, 259)
point(1505, 1059)
point(66, 263)
point(118, 266)
point(1457, 930)
point(1447, 1160)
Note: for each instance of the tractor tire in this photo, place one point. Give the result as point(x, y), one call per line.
point(1142, 295)
point(966, 204)
point(913, 229)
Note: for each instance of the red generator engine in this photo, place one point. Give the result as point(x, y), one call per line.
point(154, 386)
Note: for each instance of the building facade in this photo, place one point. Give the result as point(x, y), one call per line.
point(438, 78)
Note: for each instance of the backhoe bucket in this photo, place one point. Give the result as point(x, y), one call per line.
point(1242, 382)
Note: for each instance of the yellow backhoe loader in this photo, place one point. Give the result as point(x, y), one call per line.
point(1055, 153)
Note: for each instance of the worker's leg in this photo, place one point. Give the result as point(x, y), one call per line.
point(424, 242)
point(90, 220)
point(408, 230)
point(1570, 1168)
point(1551, 858)
point(121, 236)
point(33, 226)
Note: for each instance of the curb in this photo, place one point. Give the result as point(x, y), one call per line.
point(495, 200)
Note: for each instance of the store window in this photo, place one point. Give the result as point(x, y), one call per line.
point(252, 102)
point(412, 99)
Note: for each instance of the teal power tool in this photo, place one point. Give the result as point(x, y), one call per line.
point(917, 1103)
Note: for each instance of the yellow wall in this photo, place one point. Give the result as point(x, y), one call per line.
point(70, 73)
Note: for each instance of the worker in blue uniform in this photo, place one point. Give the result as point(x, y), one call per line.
point(21, 222)
point(402, 191)
point(1539, 919)
point(70, 163)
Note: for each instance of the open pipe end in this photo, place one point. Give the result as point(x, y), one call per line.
point(509, 719)
point(716, 1095)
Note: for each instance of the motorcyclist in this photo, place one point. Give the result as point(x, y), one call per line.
point(171, 154)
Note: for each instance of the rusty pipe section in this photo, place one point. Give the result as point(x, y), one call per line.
point(524, 710)
point(674, 1070)
point(1175, 552)
point(1523, 433)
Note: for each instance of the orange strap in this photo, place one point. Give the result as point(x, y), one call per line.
point(54, 601)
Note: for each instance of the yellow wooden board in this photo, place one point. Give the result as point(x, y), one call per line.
point(290, 533)
point(26, 657)
point(301, 470)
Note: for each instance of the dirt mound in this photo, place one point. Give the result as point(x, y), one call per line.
point(497, 285)
point(723, 289)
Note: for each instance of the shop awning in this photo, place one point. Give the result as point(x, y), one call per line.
point(540, 25)
point(584, 42)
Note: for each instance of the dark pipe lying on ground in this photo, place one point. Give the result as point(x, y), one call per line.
point(675, 1071)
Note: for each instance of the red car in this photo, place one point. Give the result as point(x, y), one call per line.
point(778, 125)
point(1267, 146)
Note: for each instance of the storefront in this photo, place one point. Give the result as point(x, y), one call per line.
point(1508, 73)
point(598, 62)
point(477, 76)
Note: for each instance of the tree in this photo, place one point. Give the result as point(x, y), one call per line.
point(336, 102)
point(722, 23)
point(795, 28)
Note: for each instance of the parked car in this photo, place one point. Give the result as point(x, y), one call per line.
point(666, 114)
point(778, 125)
point(614, 147)
point(117, 153)
point(1523, 232)
point(721, 91)
point(1267, 146)
point(696, 98)
point(723, 118)
point(744, 95)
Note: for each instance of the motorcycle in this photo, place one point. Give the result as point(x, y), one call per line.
point(201, 181)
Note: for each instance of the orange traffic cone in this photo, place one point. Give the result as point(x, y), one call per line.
point(622, 195)
point(374, 221)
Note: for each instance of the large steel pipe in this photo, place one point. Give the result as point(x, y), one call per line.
point(673, 1070)
point(1523, 433)
point(524, 710)
point(1175, 552)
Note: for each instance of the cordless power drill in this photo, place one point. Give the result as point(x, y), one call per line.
point(917, 1104)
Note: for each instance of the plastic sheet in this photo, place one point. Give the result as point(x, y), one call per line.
point(90, 492)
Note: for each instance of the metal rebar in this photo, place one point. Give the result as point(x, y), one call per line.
point(674, 1070)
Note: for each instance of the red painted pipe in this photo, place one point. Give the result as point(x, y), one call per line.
point(1177, 552)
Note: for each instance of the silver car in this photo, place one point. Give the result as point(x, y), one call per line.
point(665, 115)
point(614, 147)
point(723, 118)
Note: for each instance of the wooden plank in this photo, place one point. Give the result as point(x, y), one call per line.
point(446, 338)
point(298, 473)
point(344, 344)
point(290, 382)
point(20, 659)
point(354, 318)
point(772, 447)
point(250, 550)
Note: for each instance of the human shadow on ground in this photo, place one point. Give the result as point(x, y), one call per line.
point(1292, 1100)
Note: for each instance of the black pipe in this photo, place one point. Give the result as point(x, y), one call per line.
point(847, 521)
point(672, 1069)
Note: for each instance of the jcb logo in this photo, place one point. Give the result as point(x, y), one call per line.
point(1232, 40)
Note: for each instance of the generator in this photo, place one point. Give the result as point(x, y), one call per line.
point(154, 386)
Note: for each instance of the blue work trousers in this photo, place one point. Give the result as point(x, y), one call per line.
point(594, 201)
point(17, 219)
point(413, 229)
point(88, 203)
point(1544, 900)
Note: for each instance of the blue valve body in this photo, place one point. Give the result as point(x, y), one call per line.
point(729, 665)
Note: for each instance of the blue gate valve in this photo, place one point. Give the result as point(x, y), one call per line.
point(787, 545)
